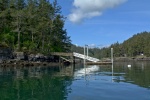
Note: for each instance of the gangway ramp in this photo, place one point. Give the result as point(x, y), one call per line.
point(92, 59)
point(85, 57)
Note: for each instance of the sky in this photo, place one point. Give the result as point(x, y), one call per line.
point(104, 22)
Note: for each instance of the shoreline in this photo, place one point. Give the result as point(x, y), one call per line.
point(117, 59)
point(30, 64)
point(56, 62)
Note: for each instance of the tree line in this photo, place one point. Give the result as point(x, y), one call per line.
point(33, 25)
point(137, 45)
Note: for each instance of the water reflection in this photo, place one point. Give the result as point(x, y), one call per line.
point(86, 70)
point(138, 73)
point(98, 85)
point(58, 83)
point(37, 83)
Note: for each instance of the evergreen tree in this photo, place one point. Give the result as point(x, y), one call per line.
point(33, 25)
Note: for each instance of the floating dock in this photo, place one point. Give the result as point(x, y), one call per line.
point(98, 63)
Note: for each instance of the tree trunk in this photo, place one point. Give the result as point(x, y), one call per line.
point(18, 40)
point(18, 29)
point(42, 41)
point(32, 36)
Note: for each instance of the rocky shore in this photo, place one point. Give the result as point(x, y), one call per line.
point(10, 58)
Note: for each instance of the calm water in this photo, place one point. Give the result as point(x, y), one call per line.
point(76, 83)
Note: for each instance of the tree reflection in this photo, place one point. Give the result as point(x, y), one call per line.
point(34, 83)
point(138, 74)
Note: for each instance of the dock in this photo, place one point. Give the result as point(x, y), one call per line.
point(98, 63)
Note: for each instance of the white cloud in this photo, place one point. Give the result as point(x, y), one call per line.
point(84, 9)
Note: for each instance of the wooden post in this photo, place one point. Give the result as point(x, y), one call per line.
point(84, 55)
point(112, 62)
point(59, 61)
point(74, 60)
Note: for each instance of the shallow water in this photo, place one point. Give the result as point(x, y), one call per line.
point(76, 83)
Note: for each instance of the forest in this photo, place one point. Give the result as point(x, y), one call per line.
point(137, 45)
point(33, 25)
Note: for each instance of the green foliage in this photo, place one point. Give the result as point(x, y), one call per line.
point(135, 46)
point(36, 25)
point(138, 44)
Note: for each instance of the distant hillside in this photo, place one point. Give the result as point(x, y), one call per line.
point(138, 44)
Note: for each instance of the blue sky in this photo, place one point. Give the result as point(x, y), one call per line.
point(103, 23)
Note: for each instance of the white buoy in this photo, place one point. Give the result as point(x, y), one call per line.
point(129, 66)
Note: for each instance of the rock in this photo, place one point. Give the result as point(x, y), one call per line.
point(40, 57)
point(37, 57)
point(19, 55)
point(31, 57)
point(5, 53)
